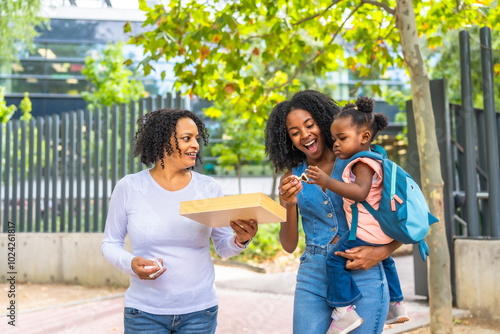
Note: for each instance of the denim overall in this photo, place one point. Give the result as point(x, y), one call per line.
point(323, 217)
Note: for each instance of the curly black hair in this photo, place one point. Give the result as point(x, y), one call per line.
point(362, 115)
point(152, 139)
point(278, 143)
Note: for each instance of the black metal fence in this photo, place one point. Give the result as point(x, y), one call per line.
point(57, 172)
point(469, 145)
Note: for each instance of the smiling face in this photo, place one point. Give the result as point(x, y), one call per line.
point(186, 138)
point(305, 134)
point(347, 138)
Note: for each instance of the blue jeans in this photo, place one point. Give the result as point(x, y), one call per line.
point(201, 322)
point(312, 314)
point(343, 290)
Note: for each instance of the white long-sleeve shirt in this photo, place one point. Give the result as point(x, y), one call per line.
point(149, 214)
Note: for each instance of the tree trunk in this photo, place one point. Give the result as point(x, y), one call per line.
point(440, 298)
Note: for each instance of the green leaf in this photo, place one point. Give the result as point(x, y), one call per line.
point(126, 27)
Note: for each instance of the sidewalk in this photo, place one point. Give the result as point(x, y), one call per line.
point(250, 303)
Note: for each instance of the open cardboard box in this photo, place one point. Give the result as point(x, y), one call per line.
point(219, 211)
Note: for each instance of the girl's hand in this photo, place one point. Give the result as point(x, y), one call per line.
point(138, 264)
point(288, 189)
point(317, 176)
point(245, 230)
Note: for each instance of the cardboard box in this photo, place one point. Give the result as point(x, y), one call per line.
point(219, 211)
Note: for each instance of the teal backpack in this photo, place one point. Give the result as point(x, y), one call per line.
point(403, 213)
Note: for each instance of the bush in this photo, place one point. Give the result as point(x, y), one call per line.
point(265, 246)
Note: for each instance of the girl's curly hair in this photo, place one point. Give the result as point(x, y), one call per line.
point(152, 139)
point(278, 143)
point(362, 115)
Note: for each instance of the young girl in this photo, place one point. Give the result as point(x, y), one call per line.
point(353, 129)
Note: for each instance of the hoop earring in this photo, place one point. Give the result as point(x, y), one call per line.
point(293, 148)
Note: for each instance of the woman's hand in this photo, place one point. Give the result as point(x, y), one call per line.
point(138, 264)
point(245, 230)
point(288, 189)
point(365, 257)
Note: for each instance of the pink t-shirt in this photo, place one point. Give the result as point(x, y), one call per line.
point(368, 227)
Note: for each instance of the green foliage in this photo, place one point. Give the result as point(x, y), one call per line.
point(26, 107)
point(111, 80)
point(216, 44)
point(243, 127)
point(265, 246)
point(6, 112)
point(18, 22)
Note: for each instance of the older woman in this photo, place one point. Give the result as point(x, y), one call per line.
point(171, 272)
point(297, 136)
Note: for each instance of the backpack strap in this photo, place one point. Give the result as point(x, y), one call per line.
point(354, 222)
point(367, 154)
point(380, 150)
point(424, 249)
point(371, 210)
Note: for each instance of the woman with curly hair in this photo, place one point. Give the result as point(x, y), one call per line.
point(171, 272)
point(297, 136)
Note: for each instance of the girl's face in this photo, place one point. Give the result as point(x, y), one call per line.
point(187, 139)
point(305, 133)
point(347, 138)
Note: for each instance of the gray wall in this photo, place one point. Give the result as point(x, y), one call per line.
point(72, 258)
point(477, 270)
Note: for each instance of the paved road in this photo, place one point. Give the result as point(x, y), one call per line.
point(250, 303)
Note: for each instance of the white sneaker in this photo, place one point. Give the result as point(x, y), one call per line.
point(344, 322)
point(397, 313)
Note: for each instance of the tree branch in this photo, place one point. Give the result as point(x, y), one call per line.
point(389, 33)
point(297, 72)
point(255, 36)
point(317, 14)
point(381, 5)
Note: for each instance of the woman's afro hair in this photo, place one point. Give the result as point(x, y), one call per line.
point(278, 143)
point(152, 139)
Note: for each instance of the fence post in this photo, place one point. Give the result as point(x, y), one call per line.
point(168, 101)
point(491, 131)
point(8, 134)
point(79, 171)
point(472, 214)
point(482, 168)
point(40, 126)
point(31, 169)
point(132, 114)
point(88, 167)
point(64, 170)
point(15, 173)
point(142, 106)
point(105, 165)
point(22, 178)
point(114, 145)
point(97, 163)
point(46, 182)
point(123, 140)
point(177, 101)
point(55, 168)
point(71, 171)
